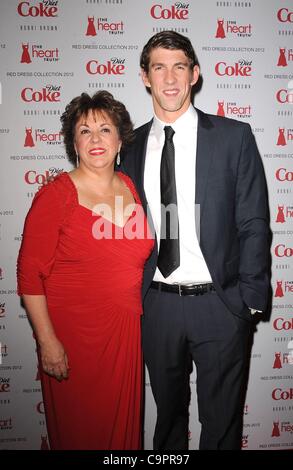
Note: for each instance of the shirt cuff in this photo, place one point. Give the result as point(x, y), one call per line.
point(253, 310)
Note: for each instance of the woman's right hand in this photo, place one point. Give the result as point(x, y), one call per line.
point(54, 359)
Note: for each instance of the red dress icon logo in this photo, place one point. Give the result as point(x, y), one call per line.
point(277, 362)
point(276, 430)
point(25, 57)
point(91, 30)
point(220, 30)
point(44, 443)
point(279, 289)
point(282, 62)
point(29, 142)
point(281, 137)
point(280, 216)
point(221, 111)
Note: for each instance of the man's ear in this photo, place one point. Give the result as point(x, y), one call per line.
point(194, 75)
point(145, 79)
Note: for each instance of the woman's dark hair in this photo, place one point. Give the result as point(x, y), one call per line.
point(168, 40)
point(103, 102)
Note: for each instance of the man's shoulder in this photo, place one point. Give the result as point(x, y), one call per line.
point(143, 129)
point(140, 136)
point(221, 122)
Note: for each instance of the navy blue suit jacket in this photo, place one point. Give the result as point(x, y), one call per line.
point(234, 216)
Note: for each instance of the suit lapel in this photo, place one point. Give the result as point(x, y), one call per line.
point(140, 150)
point(204, 156)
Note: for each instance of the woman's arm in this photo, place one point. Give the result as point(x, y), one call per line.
point(53, 356)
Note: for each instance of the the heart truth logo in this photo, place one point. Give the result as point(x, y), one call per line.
point(283, 287)
point(233, 110)
point(37, 52)
point(283, 213)
point(285, 56)
point(285, 136)
point(40, 135)
point(278, 428)
point(231, 27)
point(103, 24)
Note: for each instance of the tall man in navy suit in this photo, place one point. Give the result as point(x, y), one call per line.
point(201, 285)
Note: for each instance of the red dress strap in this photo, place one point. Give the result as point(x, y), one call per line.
point(130, 185)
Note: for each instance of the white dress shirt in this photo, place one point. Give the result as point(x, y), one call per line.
point(193, 268)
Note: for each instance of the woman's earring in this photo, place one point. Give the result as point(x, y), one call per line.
point(77, 161)
point(118, 159)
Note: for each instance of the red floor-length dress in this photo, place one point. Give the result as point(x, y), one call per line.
point(93, 291)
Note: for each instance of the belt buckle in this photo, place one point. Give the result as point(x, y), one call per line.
point(180, 290)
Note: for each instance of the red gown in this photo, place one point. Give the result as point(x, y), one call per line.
point(93, 291)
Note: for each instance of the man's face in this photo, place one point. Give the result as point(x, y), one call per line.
point(170, 80)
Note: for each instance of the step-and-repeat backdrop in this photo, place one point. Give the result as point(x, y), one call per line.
point(51, 51)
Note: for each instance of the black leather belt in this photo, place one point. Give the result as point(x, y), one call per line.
point(181, 289)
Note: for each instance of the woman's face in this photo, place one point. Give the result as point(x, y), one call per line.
point(96, 140)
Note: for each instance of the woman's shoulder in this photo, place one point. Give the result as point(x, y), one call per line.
point(57, 190)
point(56, 184)
point(129, 182)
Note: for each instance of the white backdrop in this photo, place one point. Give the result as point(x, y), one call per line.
point(51, 51)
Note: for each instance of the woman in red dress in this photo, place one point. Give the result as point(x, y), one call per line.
point(80, 268)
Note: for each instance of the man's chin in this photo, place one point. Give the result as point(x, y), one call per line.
point(172, 108)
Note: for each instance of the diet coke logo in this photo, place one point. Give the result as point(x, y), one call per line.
point(244, 442)
point(283, 213)
point(40, 407)
point(4, 384)
point(284, 15)
point(281, 251)
point(281, 324)
point(282, 174)
point(285, 136)
point(285, 56)
point(178, 11)
point(32, 177)
point(2, 309)
point(232, 109)
point(40, 135)
point(231, 27)
point(242, 68)
point(103, 25)
point(47, 94)
point(114, 66)
point(284, 96)
point(45, 9)
point(38, 52)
